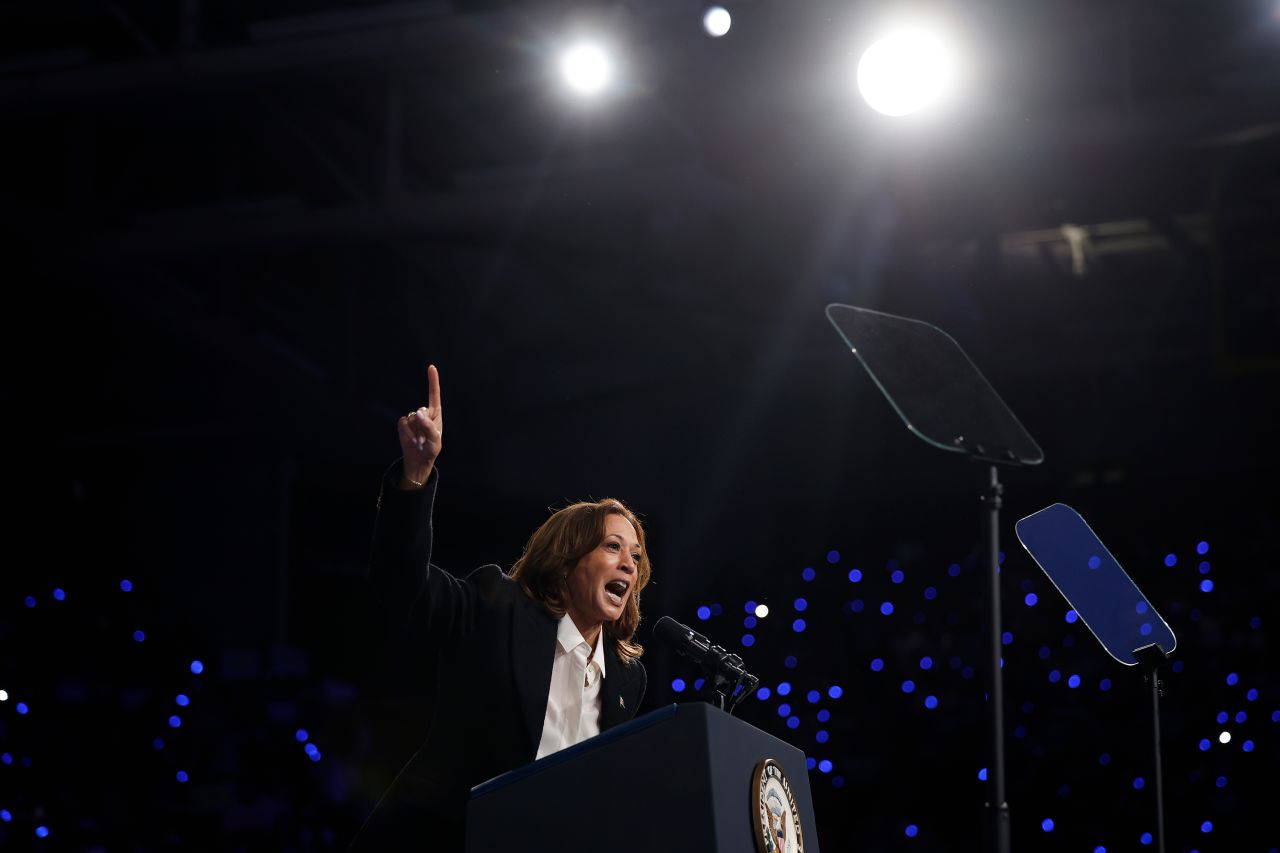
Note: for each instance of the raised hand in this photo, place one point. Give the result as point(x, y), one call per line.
point(421, 435)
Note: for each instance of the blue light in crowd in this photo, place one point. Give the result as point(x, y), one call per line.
point(811, 763)
point(886, 608)
point(763, 693)
point(749, 622)
point(1171, 560)
point(833, 557)
point(1221, 781)
point(1055, 677)
point(1145, 838)
point(197, 667)
point(1232, 678)
point(1252, 695)
point(6, 815)
point(314, 756)
point(800, 604)
point(897, 576)
point(1247, 746)
point(908, 686)
point(1206, 585)
point(954, 570)
point(1104, 759)
point(982, 775)
point(1275, 716)
point(1047, 824)
point(158, 743)
point(1030, 599)
point(855, 576)
point(310, 749)
point(126, 585)
point(877, 665)
point(704, 613)
point(930, 593)
point(835, 691)
point(1007, 638)
point(1241, 716)
point(798, 626)
point(139, 636)
point(931, 702)
point(1178, 666)
point(1099, 849)
point(1145, 629)
point(1020, 731)
point(748, 640)
point(784, 710)
point(301, 736)
point(175, 721)
point(793, 722)
point(912, 830)
point(1139, 783)
point(926, 662)
point(29, 601)
point(824, 765)
point(1204, 744)
point(182, 699)
point(1044, 652)
point(21, 708)
point(784, 687)
point(1207, 826)
point(1071, 617)
point(1073, 682)
point(59, 595)
point(182, 776)
point(1140, 608)
point(6, 758)
point(837, 781)
point(750, 607)
point(966, 673)
point(678, 685)
point(1202, 548)
point(790, 662)
point(1104, 685)
point(808, 574)
point(1205, 568)
point(42, 832)
point(824, 715)
point(1095, 561)
point(821, 736)
point(814, 697)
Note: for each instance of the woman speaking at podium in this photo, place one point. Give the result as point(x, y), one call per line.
point(531, 661)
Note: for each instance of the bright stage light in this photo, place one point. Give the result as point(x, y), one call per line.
point(586, 69)
point(905, 72)
point(717, 21)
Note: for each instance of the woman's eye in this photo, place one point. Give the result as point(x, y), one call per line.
point(612, 546)
point(635, 557)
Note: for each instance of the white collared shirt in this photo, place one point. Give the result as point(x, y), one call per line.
point(573, 703)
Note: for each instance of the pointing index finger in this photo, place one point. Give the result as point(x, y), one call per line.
point(433, 391)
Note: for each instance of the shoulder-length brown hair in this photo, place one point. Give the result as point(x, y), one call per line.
point(554, 550)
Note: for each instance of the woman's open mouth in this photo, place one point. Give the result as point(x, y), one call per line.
point(616, 591)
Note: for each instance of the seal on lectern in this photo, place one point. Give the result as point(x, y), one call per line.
point(774, 815)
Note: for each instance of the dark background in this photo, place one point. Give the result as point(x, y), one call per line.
point(234, 234)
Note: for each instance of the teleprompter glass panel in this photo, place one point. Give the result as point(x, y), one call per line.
point(1097, 588)
point(933, 386)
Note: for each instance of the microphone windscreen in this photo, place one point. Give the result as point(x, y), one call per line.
point(670, 631)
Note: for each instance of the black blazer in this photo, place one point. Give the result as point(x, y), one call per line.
point(496, 647)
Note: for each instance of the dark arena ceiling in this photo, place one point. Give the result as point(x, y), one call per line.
point(235, 233)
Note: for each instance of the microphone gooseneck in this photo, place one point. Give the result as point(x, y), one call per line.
point(727, 672)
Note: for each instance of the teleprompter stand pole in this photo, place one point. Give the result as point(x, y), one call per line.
point(1150, 657)
point(996, 829)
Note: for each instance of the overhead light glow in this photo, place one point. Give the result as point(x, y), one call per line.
point(905, 72)
point(586, 69)
point(762, 610)
point(717, 21)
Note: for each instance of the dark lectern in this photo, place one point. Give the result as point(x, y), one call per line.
point(677, 779)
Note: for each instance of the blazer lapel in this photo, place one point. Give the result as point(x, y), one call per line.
point(616, 694)
point(533, 649)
